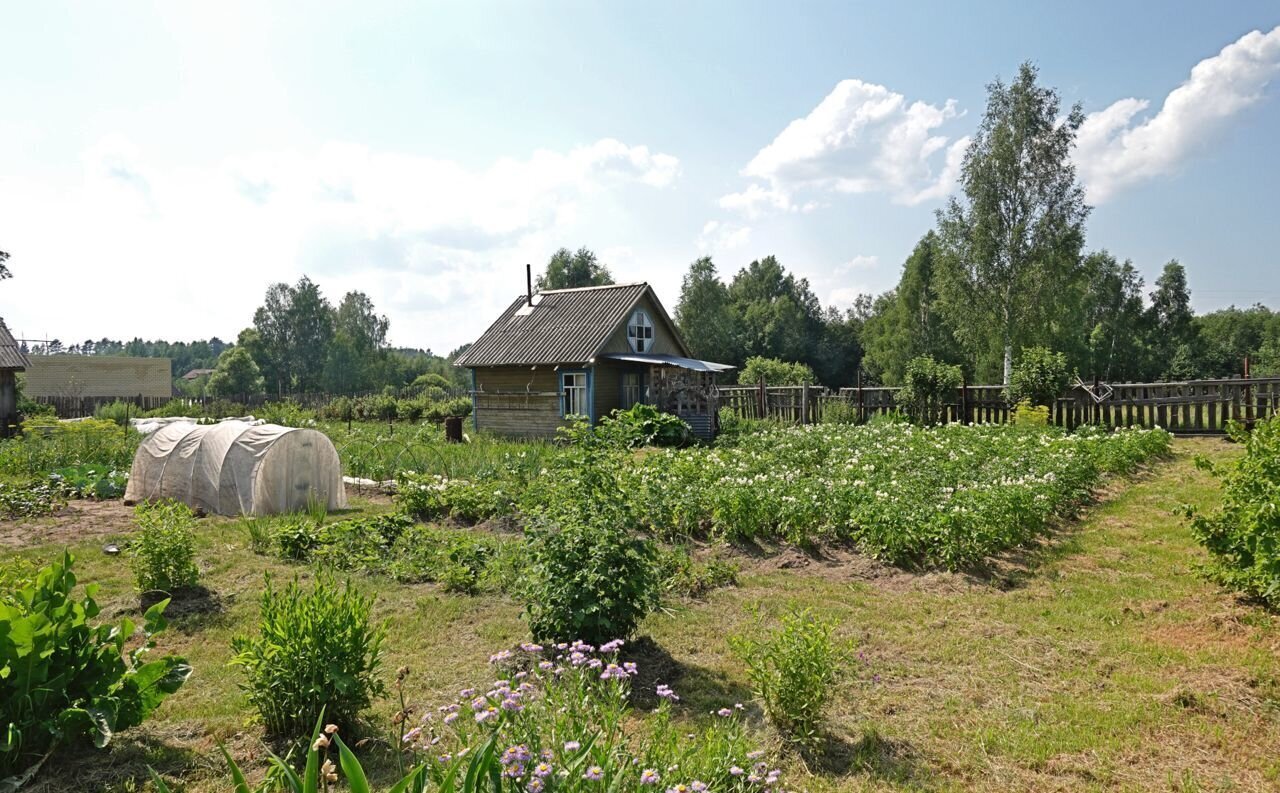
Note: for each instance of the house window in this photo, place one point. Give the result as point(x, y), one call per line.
point(632, 389)
point(573, 394)
point(640, 332)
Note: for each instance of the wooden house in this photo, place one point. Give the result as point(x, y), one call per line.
point(12, 361)
point(585, 352)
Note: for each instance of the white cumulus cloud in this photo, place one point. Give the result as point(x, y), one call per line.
point(1116, 148)
point(861, 138)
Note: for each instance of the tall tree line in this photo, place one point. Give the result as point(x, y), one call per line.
point(766, 311)
point(302, 343)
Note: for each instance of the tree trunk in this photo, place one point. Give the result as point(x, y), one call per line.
point(1008, 362)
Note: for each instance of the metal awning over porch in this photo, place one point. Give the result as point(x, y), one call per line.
point(656, 359)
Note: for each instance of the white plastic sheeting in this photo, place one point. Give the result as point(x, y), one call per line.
point(237, 468)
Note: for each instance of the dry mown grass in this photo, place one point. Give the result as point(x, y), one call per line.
point(1097, 660)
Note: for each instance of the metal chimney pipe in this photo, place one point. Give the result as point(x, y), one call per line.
point(528, 283)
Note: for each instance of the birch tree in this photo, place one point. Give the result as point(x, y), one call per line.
point(1012, 240)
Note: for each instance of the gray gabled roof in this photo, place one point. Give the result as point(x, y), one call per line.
point(11, 356)
point(564, 326)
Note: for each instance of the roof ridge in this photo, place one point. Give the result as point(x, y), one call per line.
point(586, 288)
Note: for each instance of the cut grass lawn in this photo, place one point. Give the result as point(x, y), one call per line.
point(1098, 660)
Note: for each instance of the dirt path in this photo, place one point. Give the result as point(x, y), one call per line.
point(80, 522)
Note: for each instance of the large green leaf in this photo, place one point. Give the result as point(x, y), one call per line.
point(351, 768)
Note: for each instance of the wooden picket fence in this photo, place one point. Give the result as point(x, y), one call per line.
point(1189, 407)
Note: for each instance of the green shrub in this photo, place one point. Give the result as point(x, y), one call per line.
point(296, 536)
point(839, 411)
point(1243, 534)
point(1039, 377)
point(431, 380)
point(926, 388)
point(590, 582)
point(793, 670)
point(339, 409)
point(118, 411)
point(1026, 414)
point(66, 681)
point(775, 372)
point(286, 413)
point(29, 408)
point(683, 576)
point(361, 544)
point(315, 651)
point(164, 550)
point(644, 425)
point(411, 410)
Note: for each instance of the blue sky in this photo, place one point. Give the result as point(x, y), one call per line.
point(161, 164)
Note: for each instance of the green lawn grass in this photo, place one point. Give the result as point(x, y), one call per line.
point(1099, 660)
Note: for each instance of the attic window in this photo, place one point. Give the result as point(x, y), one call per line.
point(640, 332)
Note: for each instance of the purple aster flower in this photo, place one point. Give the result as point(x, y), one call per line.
point(649, 776)
point(698, 787)
point(736, 771)
point(612, 647)
point(536, 785)
point(724, 713)
point(572, 746)
point(595, 773)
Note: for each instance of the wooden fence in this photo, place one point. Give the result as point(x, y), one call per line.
point(1190, 407)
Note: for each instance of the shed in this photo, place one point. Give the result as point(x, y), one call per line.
point(12, 361)
point(585, 351)
point(237, 468)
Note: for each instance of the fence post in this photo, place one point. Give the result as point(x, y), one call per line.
point(862, 416)
point(1248, 398)
point(763, 399)
point(804, 404)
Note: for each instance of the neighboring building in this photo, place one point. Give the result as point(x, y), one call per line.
point(588, 352)
point(12, 361)
point(196, 374)
point(75, 384)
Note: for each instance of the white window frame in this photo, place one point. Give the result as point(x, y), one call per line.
point(640, 331)
point(575, 394)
